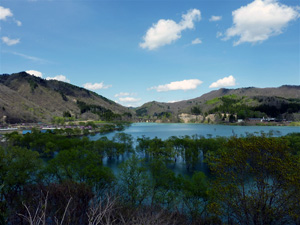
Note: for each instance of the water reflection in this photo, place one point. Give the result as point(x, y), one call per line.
point(164, 131)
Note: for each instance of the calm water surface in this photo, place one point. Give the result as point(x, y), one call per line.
point(164, 131)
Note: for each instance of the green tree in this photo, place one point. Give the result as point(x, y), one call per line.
point(257, 181)
point(18, 167)
point(125, 139)
point(134, 181)
point(164, 185)
point(195, 194)
point(80, 165)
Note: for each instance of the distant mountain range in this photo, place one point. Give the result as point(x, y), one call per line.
point(26, 98)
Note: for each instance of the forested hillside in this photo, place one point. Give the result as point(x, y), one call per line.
point(282, 103)
point(26, 98)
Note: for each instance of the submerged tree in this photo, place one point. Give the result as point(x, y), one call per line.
point(134, 181)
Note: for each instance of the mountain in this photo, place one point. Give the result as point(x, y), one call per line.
point(282, 102)
point(26, 98)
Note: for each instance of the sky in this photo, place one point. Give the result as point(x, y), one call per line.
point(136, 51)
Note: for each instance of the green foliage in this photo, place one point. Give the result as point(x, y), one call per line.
point(163, 115)
point(212, 101)
point(134, 181)
point(274, 111)
point(294, 124)
point(256, 180)
point(125, 139)
point(18, 167)
point(195, 110)
point(233, 105)
point(67, 114)
point(79, 165)
point(104, 114)
point(33, 85)
point(141, 112)
point(195, 194)
point(58, 120)
point(164, 184)
point(127, 114)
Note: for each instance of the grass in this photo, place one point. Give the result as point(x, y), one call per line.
point(233, 96)
point(295, 124)
point(212, 101)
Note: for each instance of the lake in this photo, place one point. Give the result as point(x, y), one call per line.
point(166, 130)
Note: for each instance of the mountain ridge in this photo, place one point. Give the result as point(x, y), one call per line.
point(27, 98)
point(206, 103)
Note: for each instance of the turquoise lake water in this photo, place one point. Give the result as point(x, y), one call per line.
point(166, 130)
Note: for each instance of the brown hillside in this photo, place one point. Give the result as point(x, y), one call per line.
point(26, 98)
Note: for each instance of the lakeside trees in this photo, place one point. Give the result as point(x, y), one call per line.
point(257, 181)
point(252, 180)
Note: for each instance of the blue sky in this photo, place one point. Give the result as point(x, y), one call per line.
point(138, 51)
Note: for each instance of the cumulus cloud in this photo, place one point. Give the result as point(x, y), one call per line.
point(40, 74)
point(224, 82)
point(59, 78)
point(167, 31)
point(215, 18)
point(259, 20)
point(129, 99)
point(178, 85)
point(4, 13)
point(34, 73)
point(196, 41)
point(9, 41)
point(96, 86)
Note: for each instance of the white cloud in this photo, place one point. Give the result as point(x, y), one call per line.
point(40, 74)
point(18, 22)
point(129, 99)
point(122, 94)
point(259, 20)
point(32, 58)
point(196, 41)
point(215, 18)
point(224, 82)
point(96, 86)
point(173, 101)
point(9, 41)
point(219, 34)
point(178, 85)
point(4, 13)
point(59, 78)
point(167, 31)
point(34, 73)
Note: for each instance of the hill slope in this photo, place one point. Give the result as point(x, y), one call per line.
point(26, 98)
point(273, 102)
